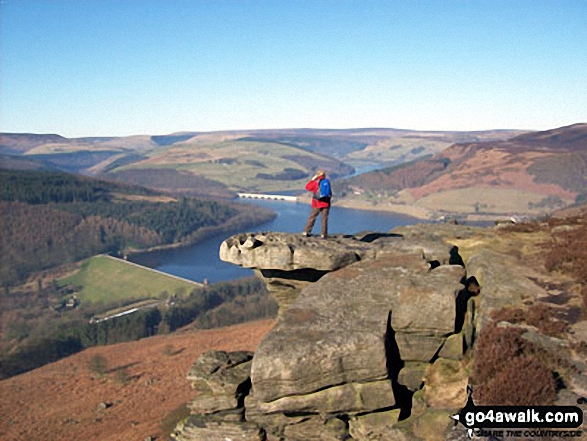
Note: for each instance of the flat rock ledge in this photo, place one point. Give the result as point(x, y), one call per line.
point(287, 263)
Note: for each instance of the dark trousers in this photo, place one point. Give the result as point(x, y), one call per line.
point(312, 219)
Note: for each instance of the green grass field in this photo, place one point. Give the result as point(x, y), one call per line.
point(107, 280)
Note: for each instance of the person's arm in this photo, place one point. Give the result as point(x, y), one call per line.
point(312, 185)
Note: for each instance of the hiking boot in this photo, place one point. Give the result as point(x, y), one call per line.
point(323, 236)
point(306, 234)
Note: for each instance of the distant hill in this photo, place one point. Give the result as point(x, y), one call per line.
point(18, 143)
point(531, 173)
point(171, 180)
point(240, 164)
point(220, 163)
point(11, 162)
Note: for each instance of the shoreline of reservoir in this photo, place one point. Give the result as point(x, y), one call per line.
point(419, 213)
point(201, 261)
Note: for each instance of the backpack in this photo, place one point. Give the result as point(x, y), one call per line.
point(324, 190)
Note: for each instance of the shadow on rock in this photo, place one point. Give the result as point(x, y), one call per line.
point(394, 363)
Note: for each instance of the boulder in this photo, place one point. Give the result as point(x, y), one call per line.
point(361, 319)
point(337, 331)
point(371, 327)
point(378, 426)
point(198, 427)
point(288, 252)
point(223, 380)
point(504, 283)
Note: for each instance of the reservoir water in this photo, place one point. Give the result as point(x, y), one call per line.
point(200, 261)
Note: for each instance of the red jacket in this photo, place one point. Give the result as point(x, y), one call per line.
point(314, 186)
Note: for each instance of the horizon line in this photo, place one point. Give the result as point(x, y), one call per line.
point(315, 129)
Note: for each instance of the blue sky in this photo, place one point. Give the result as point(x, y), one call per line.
point(123, 67)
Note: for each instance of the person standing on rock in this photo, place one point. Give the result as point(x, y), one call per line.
point(320, 186)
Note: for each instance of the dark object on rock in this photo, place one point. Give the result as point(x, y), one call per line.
point(104, 405)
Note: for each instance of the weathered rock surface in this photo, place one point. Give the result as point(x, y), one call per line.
point(336, 331)
point(316, 429)
point(504, 282)
point(220, 372)
point(346, 398)
point(205, 428)
point(372, 328)
point(376, 426)
point(290, 262)
point(223, 381)
point(290, 252)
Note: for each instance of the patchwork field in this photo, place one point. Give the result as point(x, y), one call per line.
point(242, 165)
point(397, 150)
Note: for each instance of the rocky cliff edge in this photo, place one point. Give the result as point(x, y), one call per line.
point(374, 337)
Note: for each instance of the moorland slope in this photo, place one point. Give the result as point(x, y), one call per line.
point(531, 174)
point(141, 392)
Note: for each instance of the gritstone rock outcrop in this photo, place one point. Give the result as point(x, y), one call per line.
point(288, 263)
point(370, 339)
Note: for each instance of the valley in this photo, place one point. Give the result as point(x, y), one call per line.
point(489, 174)
point(222, 163)
point(166, 276)
point(66, 202)
point(531, 174)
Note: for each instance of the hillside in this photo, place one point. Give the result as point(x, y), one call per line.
point(10, 162)
point(220, 163)
point(144, 385)
point(53, 218)
point(242, 165)
point(529, 174)
point(377, 146)
point(18, 143)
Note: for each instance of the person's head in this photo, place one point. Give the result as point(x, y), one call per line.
point(320, 173)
